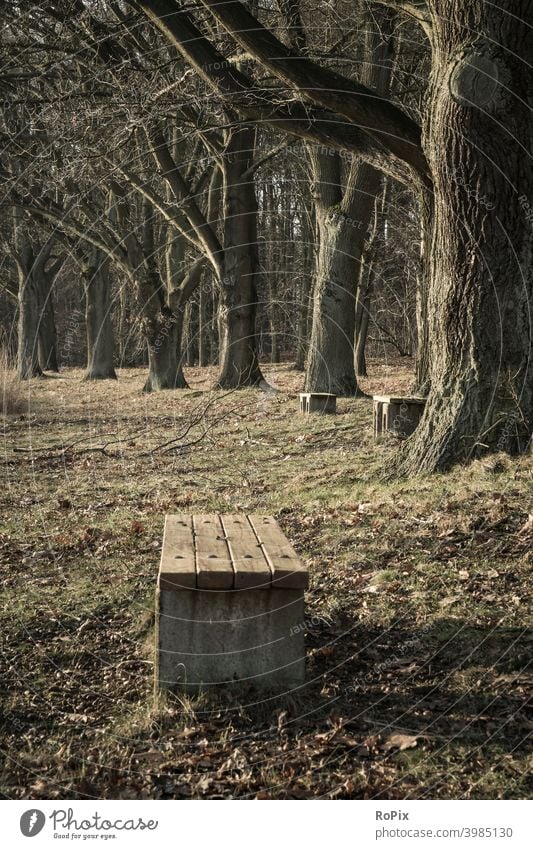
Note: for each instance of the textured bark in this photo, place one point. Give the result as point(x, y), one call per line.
point(364, 299)
point(203, 342)
point(47, 342)
point(330, 358)
point(163, 329)
point(99, 325)
point(28, 324)
point(422, 366)
point(343, 219)
point(481, 271)
point(304, 296)
point(163, 335)
point(238, 286)
point(34, 300)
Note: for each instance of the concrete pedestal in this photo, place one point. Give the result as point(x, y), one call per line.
point(396, 415)
point(248, 637)
point(318, 402)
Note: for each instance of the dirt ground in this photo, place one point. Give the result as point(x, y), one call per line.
point(418, 615)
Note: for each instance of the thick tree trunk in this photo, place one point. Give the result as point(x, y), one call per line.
point(343, 220)
point(330, 359)
point(165, 362)
point(238, 290)
point(481, 272)
point(99, 325)
point(29, 306)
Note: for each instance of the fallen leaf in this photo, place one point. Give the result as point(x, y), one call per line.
point(400, 742)
point(527, 528)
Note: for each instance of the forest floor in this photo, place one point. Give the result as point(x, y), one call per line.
point(418, 614)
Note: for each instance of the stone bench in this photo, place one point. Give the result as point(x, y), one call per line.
point(318, 402)
point(229, 604)
point(397, 415)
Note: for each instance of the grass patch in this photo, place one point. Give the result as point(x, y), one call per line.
point(418, 612)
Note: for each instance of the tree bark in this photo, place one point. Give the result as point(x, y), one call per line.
point(481, 274)
point(47, 342)
point(238, 286)
point(342, 219)
point(163, 334)
point(364, 299)
point(99, 325)
point(422, 365)
point(29, 318)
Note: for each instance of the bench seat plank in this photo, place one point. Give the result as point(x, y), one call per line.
point(250, 565)
point(178, 561)
point(287, 568)
point(214, 570)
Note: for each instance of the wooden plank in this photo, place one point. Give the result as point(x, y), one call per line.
point(178, 562)
point(213, 563)
point(288, 570)
point(249, 562)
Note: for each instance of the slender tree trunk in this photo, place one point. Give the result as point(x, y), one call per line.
point(364, 299)
point(481, 272)
point(238, 286)
point(422, 372)
point(304, 300)
point(47, 343)
point(203, 354)
point(100, 339)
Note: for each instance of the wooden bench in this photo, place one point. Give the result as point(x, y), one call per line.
point(318, 402)
point(397, 415)
point(230, 600)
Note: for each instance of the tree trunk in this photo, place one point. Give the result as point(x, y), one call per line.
point(165, 362)
point(28, 323)
point(203, 353)
point(330, 359)
point(238, 290)
point(481, 272)
point(100, 339)
point(47, 342)
point(364, 299)
point(304, 297)
point(422, 367)
point(343, 220)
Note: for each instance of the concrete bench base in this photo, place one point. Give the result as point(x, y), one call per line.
point(247, 638)
point(318, 402)
point(397, 415)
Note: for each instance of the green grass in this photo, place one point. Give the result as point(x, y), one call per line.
point(419, 608)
